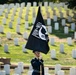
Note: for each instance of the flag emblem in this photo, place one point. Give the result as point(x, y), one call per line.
point(40, 32)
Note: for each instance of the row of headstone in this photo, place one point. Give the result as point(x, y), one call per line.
point(53, 52)
point(58, 70)
point(34, 4)
point(6, 49)
point(69, 41)
point(20, 69)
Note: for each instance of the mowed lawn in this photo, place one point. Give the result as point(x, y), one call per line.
point(15, 52)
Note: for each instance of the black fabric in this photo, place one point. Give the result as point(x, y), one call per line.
point(36, 63)
point(38, 39)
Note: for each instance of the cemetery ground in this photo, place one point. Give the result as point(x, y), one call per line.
point(50, 71)
point(15, 52)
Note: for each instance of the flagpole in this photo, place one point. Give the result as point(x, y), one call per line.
point(40, 70)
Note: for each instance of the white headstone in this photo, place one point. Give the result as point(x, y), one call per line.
point(25, 35)
point(16, 41)
point(10, 25)
point(34, 3)
point(23, 5)
point(6, 48)
point(34, 18)
point(45, 3)
point(28, 4)
point(61, 15)
point(57, 68)
point(20, 13)
point(17, 71)
point(52, 41)
point(46, 70)
point(60, 72)
point(4, 21)
point(1, 12)
point(15, 74)
point(12, 18)
point(69, 19)
point(30, 72)
point(56, 27)
point(53, 54)
point(72, 71)
point(69, 41)
point(65, 7)
point(54, 12)
point(8, 35)
point(26, 25)
point(26, 17)
point(21, 66)
point(30, 68)
point(73, 26)
point(51, 4)
point(14, 11)
point(49, 29)
point(55, 18)
point(74, 53)
point(2, 72)
point(23, 48)
point(63, 22)
point(6, 15)
point(19, 21)
point(48, 21)
point(18, 28)
point(17, 5)
point(74, 35)
point(34, 12)
point(62, 48)
point(66, 30)
point(0, 41)
point(7, 69)
point(74, 15)
point(1, 29)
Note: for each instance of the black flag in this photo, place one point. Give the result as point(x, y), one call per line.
point(38, 39)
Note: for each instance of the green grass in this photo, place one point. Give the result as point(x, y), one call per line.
point(15, 52)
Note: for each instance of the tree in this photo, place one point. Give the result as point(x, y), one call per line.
point(72, 3)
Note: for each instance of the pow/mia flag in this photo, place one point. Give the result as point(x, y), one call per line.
point(38, 39)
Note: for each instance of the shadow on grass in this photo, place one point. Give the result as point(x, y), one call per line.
point(19, 33)
point(54, 45)
point(25, 52)
point(54, 59)
point(71, 45)
point(75, 58)
point(0, 45)
point(17, 45)
point(10, 39)
point(2, 32)
point(7, 52)
point(63, 53)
